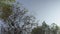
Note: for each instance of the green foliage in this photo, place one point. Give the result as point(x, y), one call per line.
point(46, 29)
point(14, 16)
point(37, 30)
point(54, 28)
point(7, 0)
point(40, 29)
point(6, 11)
point(44, 25)
point(6, 8)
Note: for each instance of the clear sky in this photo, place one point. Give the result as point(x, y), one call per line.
point(44, 10)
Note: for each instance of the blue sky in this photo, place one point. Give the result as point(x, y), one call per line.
point(44, 10)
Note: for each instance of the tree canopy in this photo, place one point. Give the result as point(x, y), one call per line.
point(46, 29)
point(15, 17)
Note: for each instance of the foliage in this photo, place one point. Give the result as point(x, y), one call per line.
point(46, 29)
point(16, 18)
point(37, 30)
point(44, 25)
point(5, 9)
point(54, 28)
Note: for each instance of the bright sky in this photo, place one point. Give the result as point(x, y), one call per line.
point(44, 10)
